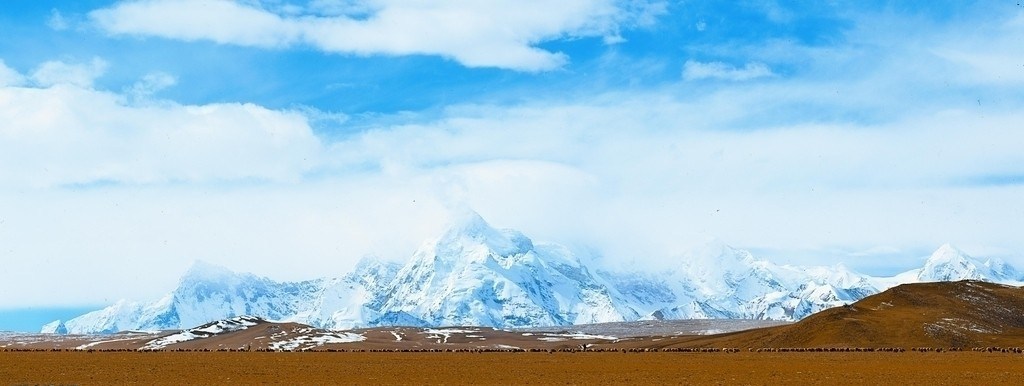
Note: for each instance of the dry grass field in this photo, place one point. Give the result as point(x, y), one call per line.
point(86, 368)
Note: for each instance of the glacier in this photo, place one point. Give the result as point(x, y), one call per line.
point(477, 275)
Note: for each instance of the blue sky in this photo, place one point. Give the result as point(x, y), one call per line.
point(139, 136)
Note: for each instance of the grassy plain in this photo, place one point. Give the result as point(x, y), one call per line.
point(86, 368)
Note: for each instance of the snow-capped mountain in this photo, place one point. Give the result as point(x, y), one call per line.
point(54, 327)
point(481, 276)
point(474, 274)
point(205, 292)
point(949, 263)
point(718, 281)
point(350, 301)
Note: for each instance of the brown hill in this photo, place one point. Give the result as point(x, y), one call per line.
point(960, 314)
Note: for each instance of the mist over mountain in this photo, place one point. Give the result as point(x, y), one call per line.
point(475, 274)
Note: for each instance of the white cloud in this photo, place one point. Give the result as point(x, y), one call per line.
point(10, 77)
point(61, 73)
point(151, 84)
point(221, 21)
point(995, 59)
point(694, 70)
point(500, 34)
point(859, 154)
point(57, 22)
point(66, 133)
point(774, 11)
point(96, 183)
point(637, 177)
point(641, 176)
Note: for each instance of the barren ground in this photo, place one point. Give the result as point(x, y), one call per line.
point(86, 368)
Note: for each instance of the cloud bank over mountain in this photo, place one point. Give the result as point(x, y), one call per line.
point(477, 275)
point(146, 134)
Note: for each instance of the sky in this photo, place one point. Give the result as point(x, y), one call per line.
point(292, 138)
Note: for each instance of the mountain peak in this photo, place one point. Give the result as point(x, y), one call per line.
point(469, 230)
point(716, 254)
point(368, 263)
point(946, 252)
point(55, 327)
point(949, 263)
point(207, 272)
point(372, 269)
point(468, 222)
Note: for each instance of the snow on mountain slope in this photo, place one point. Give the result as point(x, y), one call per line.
point(477, 275)
point(718, 271)
point(949, 263)
point(474, 274)
point(205, 293)
point(209, 292)
point(120, 316)
point(718, 281)
point(351, 301)
point(54, 327)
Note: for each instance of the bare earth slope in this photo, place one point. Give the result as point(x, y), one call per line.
point(944, 314)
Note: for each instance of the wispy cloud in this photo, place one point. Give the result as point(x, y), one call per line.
point(500, 34)
point(78, 74)
point(694, 70)
point(150, 84)
point(57, 22)
point(9, 77)
point(994, 180)
point(997, 60)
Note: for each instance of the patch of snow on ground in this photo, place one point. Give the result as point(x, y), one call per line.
point(965, 325)
point(205, 331)
point(398, 338)
point(92, 344)
point(956, 326)
point(307, 342)
point(551, 339)
point(12, 339)
point(883, 306)
point(223, 326)
point(582, 336)
point(656, 327)
point(449, 331)
point(160, 343)
point(442, 334)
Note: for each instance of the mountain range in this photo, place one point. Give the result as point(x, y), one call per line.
point(477, 275)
